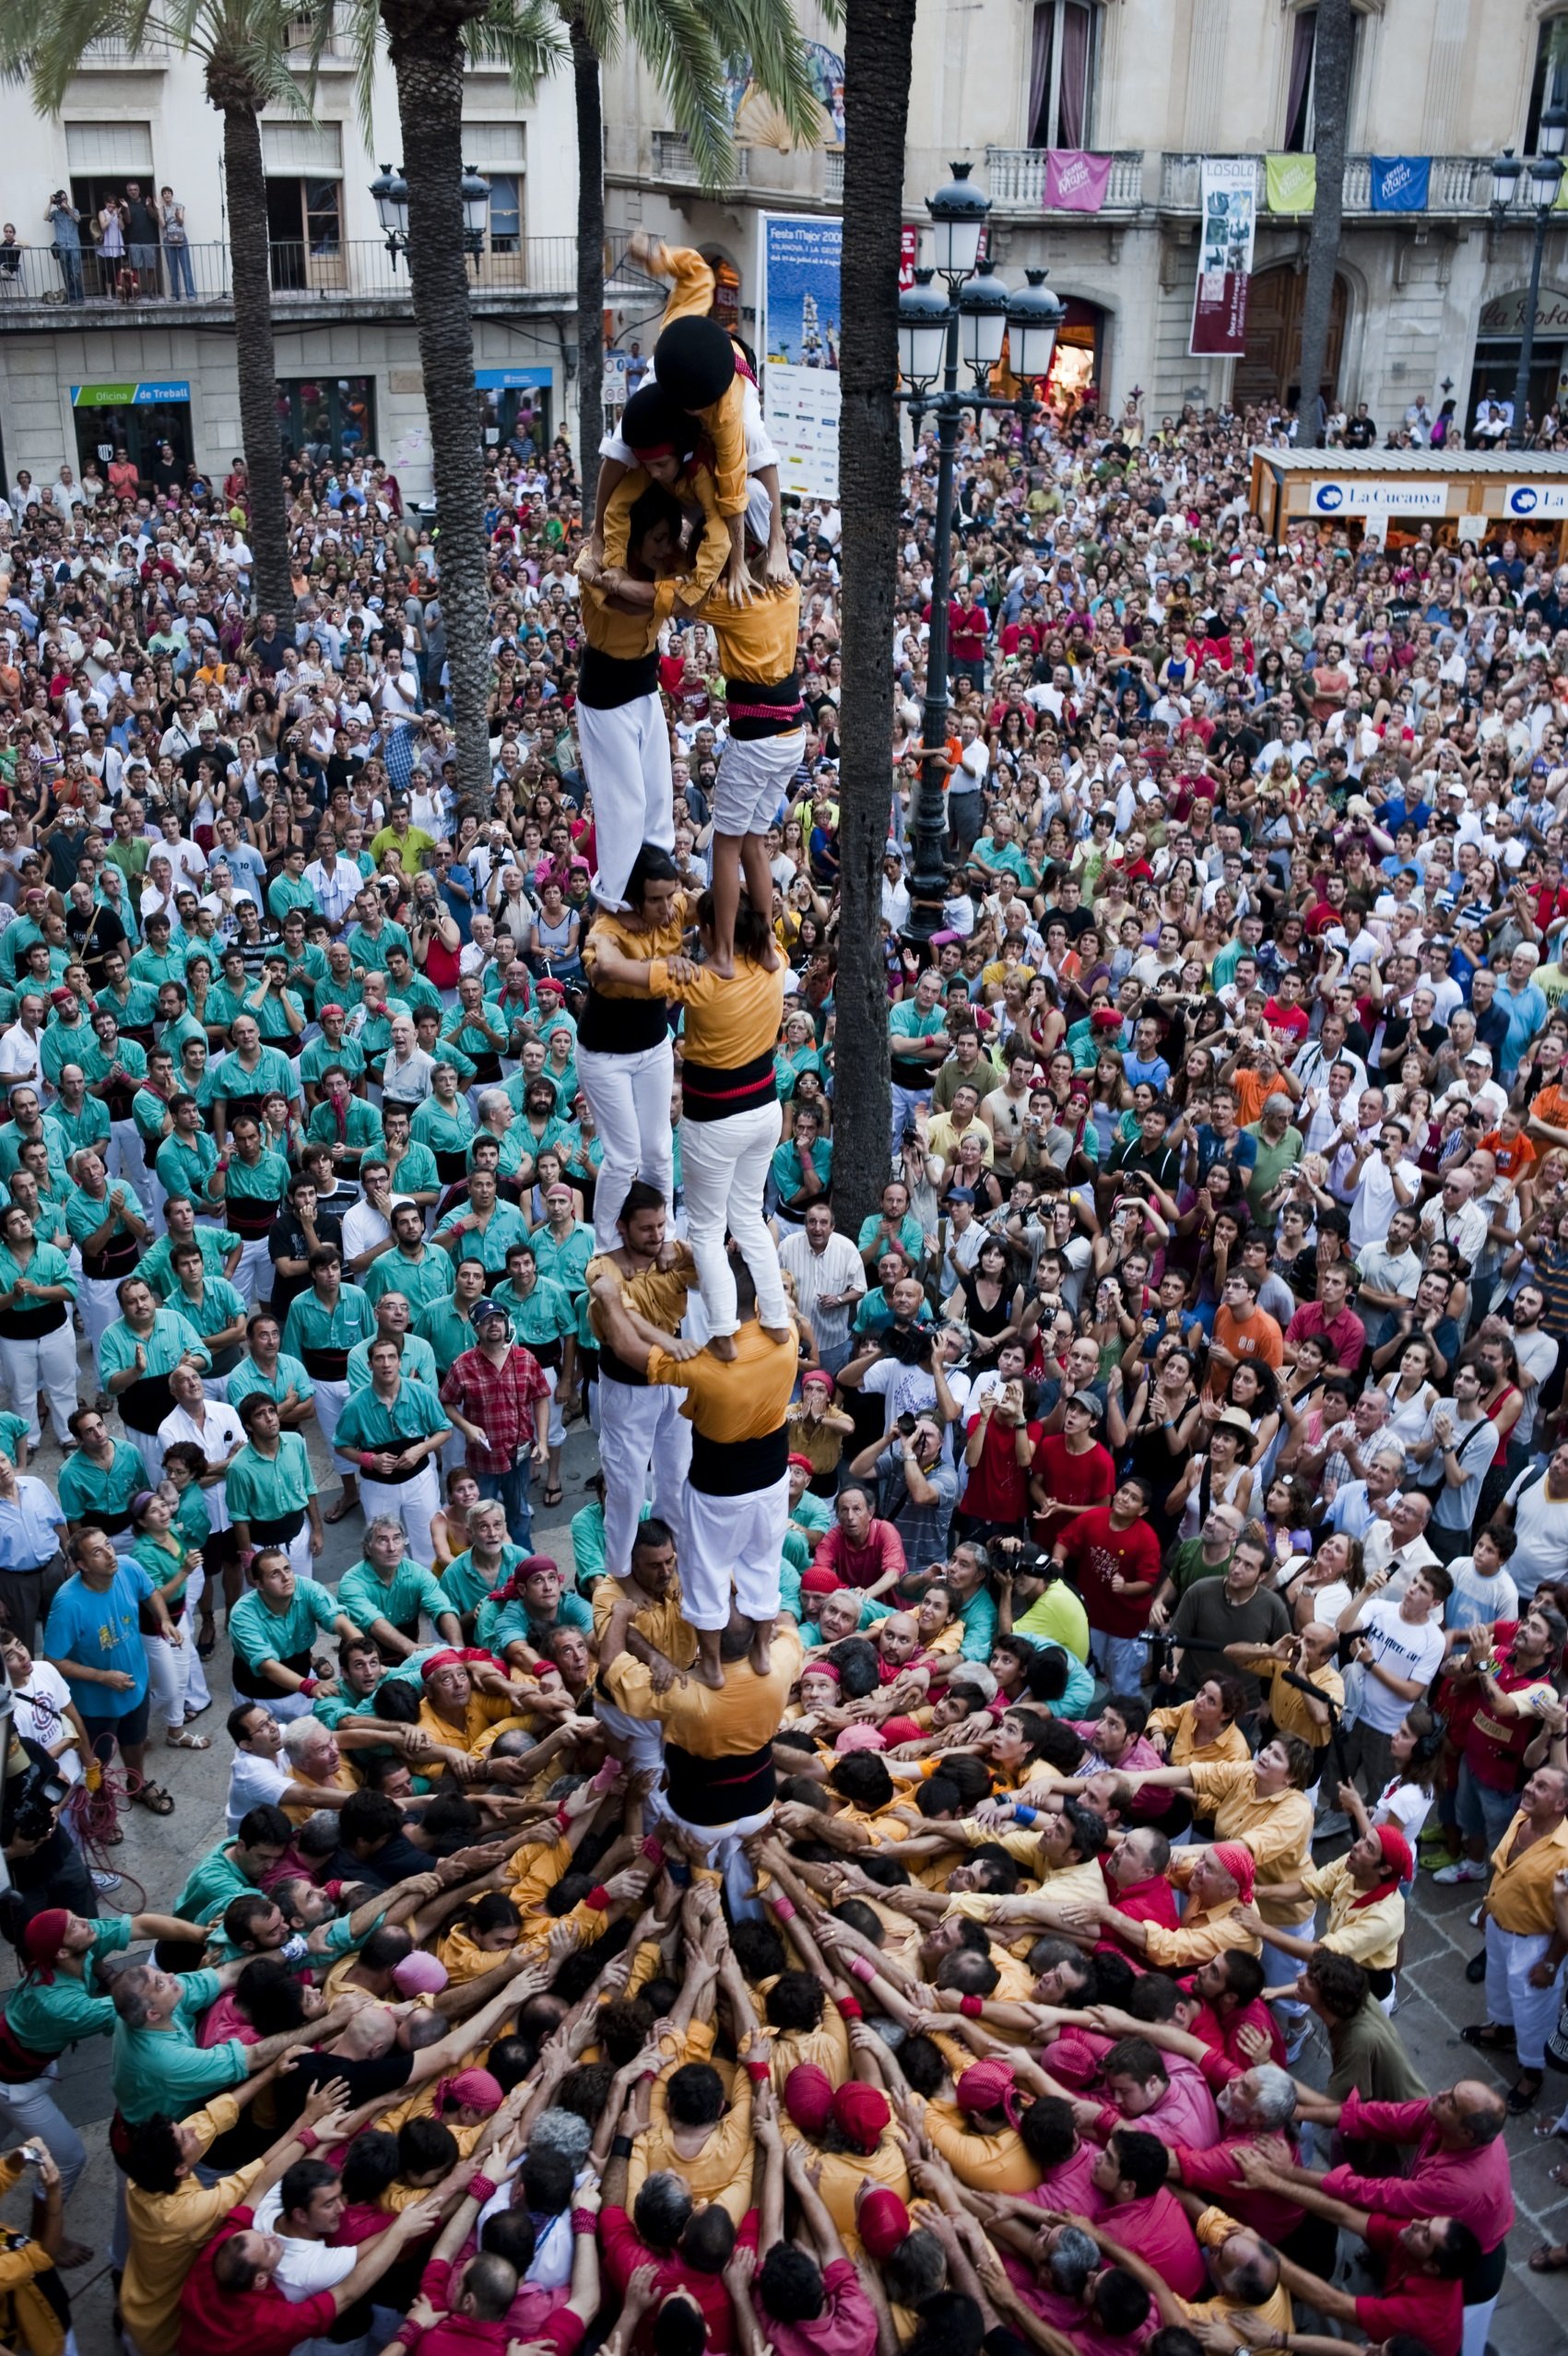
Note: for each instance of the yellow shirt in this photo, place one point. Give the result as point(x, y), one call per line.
point(1202, 1933)
point(664, 1624)
point(692, 284)
point(984, 2162)
point(1213, 2229)
point(481, 1711)
point(657, 1294)
point(1369, 1934)
point(730, 1019)
point(728, 1723)
point(758, 642)
point(343, 1781)
point(1277, 1830)
point(665, 940)
point(1288, 1709)
point(722, 2170)
point(745, 1397)
point(169, 2232)
point(1228, 1749)
point(844, 2173)
point(1518, 1897)
point(945, 1139)
point(628, 636)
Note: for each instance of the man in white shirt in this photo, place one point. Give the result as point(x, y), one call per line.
point(1537, 1505)
point(1395, 1542)
point(406, 1073)
point(1400, 1649)
point(20, 1048)
point(1375, 1177)
point(828, 1280)
point(1456, 1217)
point(31, 1529)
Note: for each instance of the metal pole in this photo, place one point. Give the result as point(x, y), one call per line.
point(928, 885)
point(1518, 436)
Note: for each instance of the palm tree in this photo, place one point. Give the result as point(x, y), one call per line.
point(1331, 104)
point(686, 48)
point(877, 64)
point(242, 46)
point(430, 42)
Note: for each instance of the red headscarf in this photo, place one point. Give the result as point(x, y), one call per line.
point(469, 2089)
point(1400, 1865)
point(511, 1589)
point(862, 2113)
point(988, 2086)
point(808, 2098)
point(882, 2221)
point(43, 1941)
point(1240, 1864)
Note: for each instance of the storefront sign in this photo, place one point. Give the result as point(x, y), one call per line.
point(1504, 315)
point(1535, 499)
point(1349, 495)
point(120, 397)
point(511, 380)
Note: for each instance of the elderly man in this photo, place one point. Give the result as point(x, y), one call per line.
point(387, 1593)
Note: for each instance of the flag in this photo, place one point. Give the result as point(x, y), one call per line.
point(1291, 182)
point(1228, 201)
point(1400, 183)
point(1075, 182)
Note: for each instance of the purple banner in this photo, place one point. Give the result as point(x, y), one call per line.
point(1075, 182)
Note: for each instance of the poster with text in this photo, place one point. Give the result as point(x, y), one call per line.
point(800, 348)
point(1228, 217)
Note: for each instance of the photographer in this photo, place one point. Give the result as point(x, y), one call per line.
point(918, 1487)
point(46, 1869)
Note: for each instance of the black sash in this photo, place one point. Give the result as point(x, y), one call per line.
point(249, 1682)
point(145, 1403)
point(326, 1365)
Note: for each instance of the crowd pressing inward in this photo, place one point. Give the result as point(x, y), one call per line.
point(1015, 1662)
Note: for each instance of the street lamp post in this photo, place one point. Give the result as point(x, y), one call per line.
point(935, 331)
point(390, 192)
point(1545, 174)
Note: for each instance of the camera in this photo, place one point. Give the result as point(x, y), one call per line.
point(43, 1792)
point(911, 1348)
point(905, 1424)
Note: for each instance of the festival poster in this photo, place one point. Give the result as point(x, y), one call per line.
point(1229, 219)
point(1075, 182)
point(798, 339)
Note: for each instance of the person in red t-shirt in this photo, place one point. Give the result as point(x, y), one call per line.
point(1072, 1471)
point(1424, 2266)
point(999, 1451)
point(860, 1551)
point(1112, 1555)
point(229, 2307)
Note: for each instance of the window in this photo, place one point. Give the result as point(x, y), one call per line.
point(1300, 118)
point(1061, 73)
point(326, 418)
point(1549, 83)
point(303, 162)
point(498, 154)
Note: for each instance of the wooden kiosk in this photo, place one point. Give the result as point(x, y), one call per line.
point(1460, 494)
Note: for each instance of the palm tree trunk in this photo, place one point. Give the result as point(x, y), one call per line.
point(271, 577)
point(877, 62)
point(590, 259)
point(1331, 99)
point(427, 58)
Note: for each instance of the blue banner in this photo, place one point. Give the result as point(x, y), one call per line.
point(1399, 184)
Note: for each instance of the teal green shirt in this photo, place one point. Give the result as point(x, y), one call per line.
point(216, 1242)
point(365, 1595)
point(444, 1330)
point(265, 1488)
point(260, 1634)
point(465, 1586)
point(47, 2017)
point(184, 1165)
point(290, 1376)
point(546, 1315)
point(499, 1625)
point(220, 1305)
point(564, 1263)
point(444, 1128)
point(86, 1489)
point(173, 1338)
point(361, 1126)
point(63, 1043)
point(310, 1326)
point(12, 1142)
point(321, 1054)
point(417, 1361)
point(371, 1422)
point(87, 1127)
point(228, 1077)
point(420, 1280)
point(165, 2069)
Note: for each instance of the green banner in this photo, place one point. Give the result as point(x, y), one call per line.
point(1291, 182)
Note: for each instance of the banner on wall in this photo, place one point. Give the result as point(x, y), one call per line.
point(1291, 182)
point(1400, 183)
point(1228, 201)
point(908, 255)
point(798, 338)
point(1075, 182)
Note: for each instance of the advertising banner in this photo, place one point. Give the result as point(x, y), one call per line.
point(798, 338)
point(1292, 182)
point(1400, 183)
point(1075, 182)
point(1361, 495)
point(1525, 500)
point(1229, 202)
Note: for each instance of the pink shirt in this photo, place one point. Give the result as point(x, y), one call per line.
point(1069, 2186)
point(846, 2326)
point(224, 2020)
point(1156, 2230)
point(1471, 2186)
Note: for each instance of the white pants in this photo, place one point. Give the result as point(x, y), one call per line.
point(412, 1502)
point(724, 1170)
point(252, 1277)
point(169, 1674)
point(732, 1539)
point(642, 1743)
point(631, 1097)
point(1512, 2001)
point(754, 777)
point(42, 1364)
point(639, 1429)
point(725, 1853)
point(626, 760)
point(127, 1160)
point(198, 1695)
point(556, 1435)
point(330, 1401)
point(98, 1308)
point(33, 2110)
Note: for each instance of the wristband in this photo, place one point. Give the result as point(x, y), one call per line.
point(481, 2189)
point(653, 1852)
point(597, 1898)
point(971, 2007)
point(862, 1968)
point(307, 1685)
point(786, 1909)
point(621, 2149)
point(1024, 1814)
point(851, 2009)
point(758, 2072)
point(562, 1820)
point(307, 2138)
point(364, 1460)
point(583, 2221)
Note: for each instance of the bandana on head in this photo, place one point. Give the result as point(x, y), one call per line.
point(882, 2221)
point(817, 1582)
point(438, 1661)
point(988, 2086)
point(421, 1973)
point(1240, 1864)
point(43, 1941)
point(861, 2113)
point(1399, 1863)
point(469, 2089)
point(808, 2098)
point(511, 1589)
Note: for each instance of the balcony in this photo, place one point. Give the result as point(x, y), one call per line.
point(675, 165)
point(355, 274)
point(1460, 189)
point(1015, 182)
point(114, 52)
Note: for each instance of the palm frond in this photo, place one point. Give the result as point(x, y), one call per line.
point(600, 20)
point(767, 33)
point(676, 40)
point(522, 35)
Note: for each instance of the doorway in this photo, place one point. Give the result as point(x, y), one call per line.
point(1269, 372)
